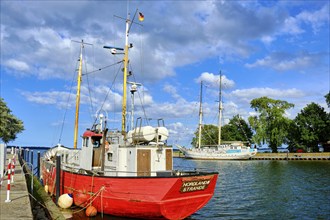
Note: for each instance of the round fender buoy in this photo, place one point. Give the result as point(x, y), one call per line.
point(91, 211)
point(46, 188)
point(65, 201)
point(50, 189)
point(80, 199)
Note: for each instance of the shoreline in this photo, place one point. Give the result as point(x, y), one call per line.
point(279, 156)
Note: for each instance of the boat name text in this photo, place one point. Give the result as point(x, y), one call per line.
point(191, 186)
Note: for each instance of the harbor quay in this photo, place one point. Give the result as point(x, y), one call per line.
point(280, 156)
point(17, 205)
point(292, 156)
point(21, 194)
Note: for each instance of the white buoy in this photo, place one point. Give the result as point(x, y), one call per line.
point(46, 188)
point(65, 201)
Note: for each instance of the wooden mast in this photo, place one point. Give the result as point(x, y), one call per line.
point(124, 101)
point(78, 97)
point(200, 117)
point(220, 111)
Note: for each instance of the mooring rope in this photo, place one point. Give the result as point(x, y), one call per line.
point(37, 201)
point(54, 182)
point(92, 198)
point(102, 202)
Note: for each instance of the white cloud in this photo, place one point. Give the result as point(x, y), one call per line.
point(267, 39)
point(58, 99)
point(316, 18)
point(180, 133)
point(213, 80)
point(270, 92)
point(17, 65)
point(171, 90)
point(292, 26)
point(3, 32)
point(285, 62)
point(62, 99)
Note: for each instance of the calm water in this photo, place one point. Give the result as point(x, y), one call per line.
point(267, 190)
point(262, 190)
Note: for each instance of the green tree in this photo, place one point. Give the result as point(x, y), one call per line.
point(313, 126)
point(236, 130)
point(270, 126)
point(209, 135)
point(10, 126)
point(327, 99)
point(293, 138)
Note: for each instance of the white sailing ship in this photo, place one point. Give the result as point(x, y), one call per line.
point(221, 151)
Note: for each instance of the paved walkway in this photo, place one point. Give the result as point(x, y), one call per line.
point(19, 208)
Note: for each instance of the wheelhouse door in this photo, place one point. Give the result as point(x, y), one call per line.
point(169, 160)
point(144, 162)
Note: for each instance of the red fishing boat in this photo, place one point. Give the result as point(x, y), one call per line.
point(124, 173)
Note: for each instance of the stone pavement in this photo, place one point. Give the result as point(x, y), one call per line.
point(19, 208)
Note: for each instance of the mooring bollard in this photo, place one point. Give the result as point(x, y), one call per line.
point(27, 155)
point(22, 153)
point(8, 182)
point(31, 158)
point(38, 165)
point(58, 176)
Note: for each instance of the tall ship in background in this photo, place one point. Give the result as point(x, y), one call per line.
point(231, 151)
point(126, 173)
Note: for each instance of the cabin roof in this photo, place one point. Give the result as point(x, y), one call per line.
point(89, 133)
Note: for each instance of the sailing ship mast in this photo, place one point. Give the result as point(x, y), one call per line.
point(220, 111)
point(78, 97)
point(200, 117)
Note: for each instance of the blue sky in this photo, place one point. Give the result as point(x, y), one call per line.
point(278, 49)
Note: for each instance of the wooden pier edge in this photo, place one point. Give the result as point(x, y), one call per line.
point(292, 156)
point(280, 156)
point(40, 194)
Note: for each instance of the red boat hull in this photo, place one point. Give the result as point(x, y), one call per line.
point(175, 197)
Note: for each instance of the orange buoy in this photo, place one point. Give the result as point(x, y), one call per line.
point(50, 189)
point(91, 211)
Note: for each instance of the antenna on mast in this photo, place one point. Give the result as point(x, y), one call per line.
point(134, 86)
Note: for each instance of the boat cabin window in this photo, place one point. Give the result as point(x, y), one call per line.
point(96, 142)
point(109, 156)
point(85, 142)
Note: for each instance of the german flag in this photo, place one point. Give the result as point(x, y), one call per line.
point(141, 16)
